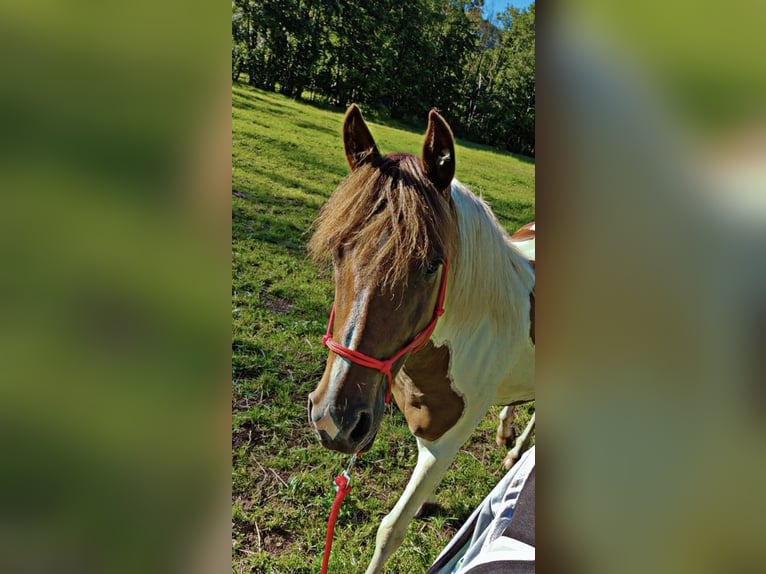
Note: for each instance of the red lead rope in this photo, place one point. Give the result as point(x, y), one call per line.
point(344, 487)
point(385, 366)
point(343, 484)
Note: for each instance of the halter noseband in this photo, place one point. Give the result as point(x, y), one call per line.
point(417, 343)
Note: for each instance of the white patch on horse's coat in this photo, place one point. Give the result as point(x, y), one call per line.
point(526, 247)
point(357, 316)
point(339, 368)
point(493, 307)
point(350, 333)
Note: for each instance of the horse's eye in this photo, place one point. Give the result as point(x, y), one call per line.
point(433, 266)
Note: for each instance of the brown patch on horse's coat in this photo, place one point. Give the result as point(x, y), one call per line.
point(525, 233)
point(424, 394)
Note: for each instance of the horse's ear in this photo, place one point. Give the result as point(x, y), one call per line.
point(357, 139)
point(438, 155)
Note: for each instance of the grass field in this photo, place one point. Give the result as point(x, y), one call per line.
point(286, 160)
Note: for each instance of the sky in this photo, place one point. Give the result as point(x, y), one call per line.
point(492, 7)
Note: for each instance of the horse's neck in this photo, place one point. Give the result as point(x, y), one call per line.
point(490, 279)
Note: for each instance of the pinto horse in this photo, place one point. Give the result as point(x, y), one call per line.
point(433, 305)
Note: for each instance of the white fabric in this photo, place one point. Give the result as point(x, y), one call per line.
point(490, 520)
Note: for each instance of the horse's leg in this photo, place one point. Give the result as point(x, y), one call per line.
point(434, 457)
point(514, 454)
point(505, 428)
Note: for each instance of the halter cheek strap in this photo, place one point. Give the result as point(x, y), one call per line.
point(384, 367)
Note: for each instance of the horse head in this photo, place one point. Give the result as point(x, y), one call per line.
point(390, 232)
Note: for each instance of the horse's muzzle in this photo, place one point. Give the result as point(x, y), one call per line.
point(348, 431)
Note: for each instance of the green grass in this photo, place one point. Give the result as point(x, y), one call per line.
point(286, 160)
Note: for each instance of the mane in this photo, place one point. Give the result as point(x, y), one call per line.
point(389, 215)
point(492, 277)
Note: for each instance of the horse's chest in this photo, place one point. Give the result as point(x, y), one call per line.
point(424, 394)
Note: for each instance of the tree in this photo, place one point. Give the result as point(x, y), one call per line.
point(404, 56)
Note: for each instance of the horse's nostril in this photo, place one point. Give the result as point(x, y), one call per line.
point(362, 427)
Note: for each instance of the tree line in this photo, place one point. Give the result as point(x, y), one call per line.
point(400, 57)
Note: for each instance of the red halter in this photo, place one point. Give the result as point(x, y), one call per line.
point(413, 346)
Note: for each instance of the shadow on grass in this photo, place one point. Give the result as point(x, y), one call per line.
point(264, 226)
point(257, 95)
point(243, 100)
point(454, 517)
point(315, 127)
point(301, 157)
point(318, 190)
point(297, 212)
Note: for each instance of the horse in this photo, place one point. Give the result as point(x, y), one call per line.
point(430, 293)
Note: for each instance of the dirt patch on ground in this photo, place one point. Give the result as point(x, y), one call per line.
point(280, 305)
point(247, 434)
point(275, 303)
point(245, 404)
point(274, 541)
